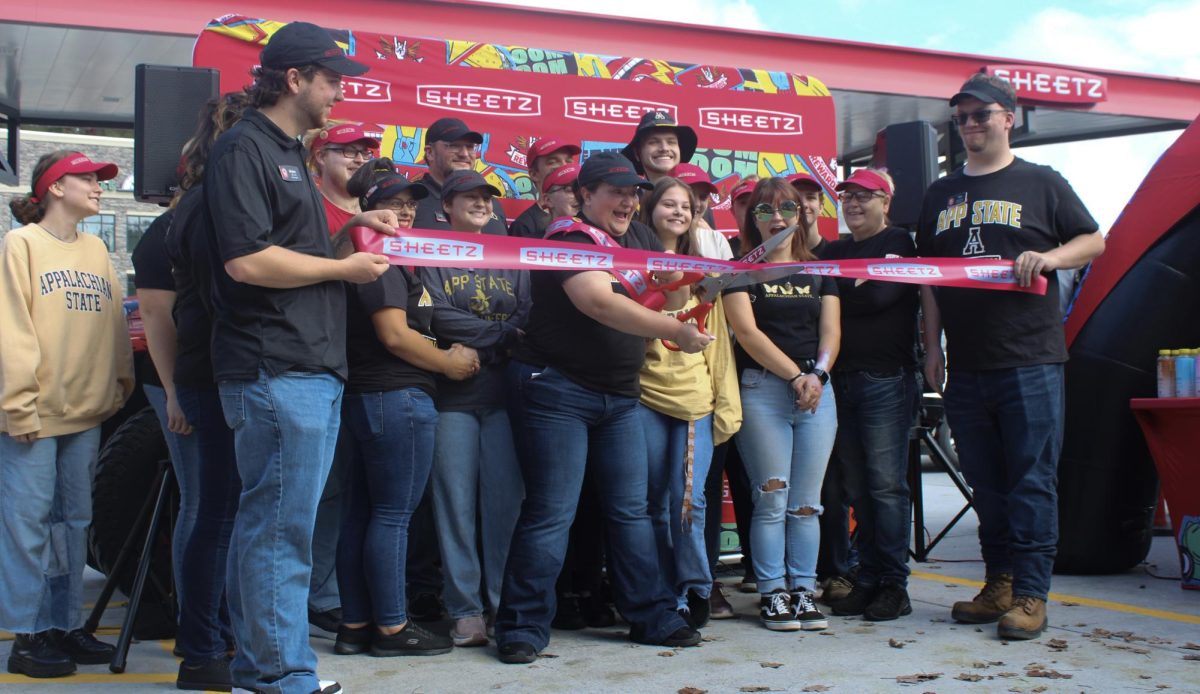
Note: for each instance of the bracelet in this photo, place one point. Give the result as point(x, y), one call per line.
point(797, 377)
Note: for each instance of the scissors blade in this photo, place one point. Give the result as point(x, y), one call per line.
point(712, 286)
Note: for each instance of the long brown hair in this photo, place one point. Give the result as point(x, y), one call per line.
point(774, 191)
point(219, 115)
point(687, 244)
point(23, 208)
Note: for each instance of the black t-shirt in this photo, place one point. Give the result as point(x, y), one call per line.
point(559, 335)
point(373, 369)
point(530, 224)
point(1022, 207)
point(152, 270)
point(260, 194)
point(879, 319)
point(788, 311)
point(189, 241)
point(431, 214)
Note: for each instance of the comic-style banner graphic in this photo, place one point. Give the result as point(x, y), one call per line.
point(748, 121)
point(432, 248)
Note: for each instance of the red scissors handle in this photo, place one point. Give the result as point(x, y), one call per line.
point(699, 313)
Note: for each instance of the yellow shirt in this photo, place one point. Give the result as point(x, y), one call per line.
point(66, 363)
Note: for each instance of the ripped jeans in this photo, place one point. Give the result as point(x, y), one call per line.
point(785, 451)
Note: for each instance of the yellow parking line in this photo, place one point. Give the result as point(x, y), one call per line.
point(96, 678)
point(1090, 602)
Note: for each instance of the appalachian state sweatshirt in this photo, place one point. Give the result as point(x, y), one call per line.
point(65, 357)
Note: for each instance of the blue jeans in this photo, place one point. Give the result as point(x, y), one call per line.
point(476, 482)
point(394, 433)
point(186, 463)
point(323, 584)
point(204, 629)
point(45, 511)
point(780, 443)
point(681, 547)
point(567, 428)
point(284, 431)
point(1008, 428)
point(875, 413)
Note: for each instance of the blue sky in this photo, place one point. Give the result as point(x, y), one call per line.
point(1154, 37)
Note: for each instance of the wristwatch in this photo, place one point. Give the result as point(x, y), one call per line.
point(821, 375)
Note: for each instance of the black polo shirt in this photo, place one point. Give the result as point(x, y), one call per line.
point(430, 214)
point(187, 244)
point(260, 194)
point(531, 224)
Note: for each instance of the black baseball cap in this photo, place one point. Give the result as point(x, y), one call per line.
point(389, 186)
point(461, 180)
point(451, 130)
point(985, 92)
point(611, 168)
point(661, 119)
point(300, 43)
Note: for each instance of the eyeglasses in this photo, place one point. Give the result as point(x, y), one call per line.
point(352, 152)
point(397, 205)
point(979, 117)
point(787, 209)
point(862, 197)
point(558, 189)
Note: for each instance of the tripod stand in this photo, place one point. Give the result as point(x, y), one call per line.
point(154, 508)
point(930, 418)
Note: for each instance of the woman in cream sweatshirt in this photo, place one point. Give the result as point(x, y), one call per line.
point(66, 365)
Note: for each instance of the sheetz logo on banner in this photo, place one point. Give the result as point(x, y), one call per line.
point(364, 89)
point(822, 269)
point(417, 247)
point(903, 270)
point(750, 120)
point(673, 263)
point(1039, 83)
point(486, 100)
point(991, 273)
point(557, 257)
point(612, 110)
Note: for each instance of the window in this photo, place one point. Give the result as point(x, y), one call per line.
point(130, 286)
point(103, 225)
point(135, 227)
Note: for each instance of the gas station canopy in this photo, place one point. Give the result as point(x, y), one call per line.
point(71, 63)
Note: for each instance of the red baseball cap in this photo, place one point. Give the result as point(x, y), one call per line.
point(545, 145)
point(868, 179)
point(743, 188)
point(73, 163)
point(345, 133)
point(802, 178)
point(564, 175)
point(693, 176)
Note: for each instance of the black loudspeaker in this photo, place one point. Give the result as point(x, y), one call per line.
point(168, 101)
point(909, 151)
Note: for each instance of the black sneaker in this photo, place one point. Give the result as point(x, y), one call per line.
point(776, 611)
point(807, 614)
point(517, 653)
point(597, 613)
point(854, 603)
point(890, 602)
point(683, 637)
point(567, 615)
point(353, 641)
point(38, 655)
point(699, 608)
point(324, 624)
point(212, 676)
point(426, 607)
point(327, 687)
point(413, 639)
point(83, 648)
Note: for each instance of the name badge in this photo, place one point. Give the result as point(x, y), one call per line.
point(441, 217)
point(290, 173)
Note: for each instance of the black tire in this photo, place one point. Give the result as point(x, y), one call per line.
point(125, 473)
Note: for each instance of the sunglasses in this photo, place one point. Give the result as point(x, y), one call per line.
point(979, 117)
point(764, 212)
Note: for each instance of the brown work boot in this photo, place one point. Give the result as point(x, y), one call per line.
point(992, 602)
point(1026, 619)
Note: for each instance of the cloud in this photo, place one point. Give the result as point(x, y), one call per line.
point(737, 14)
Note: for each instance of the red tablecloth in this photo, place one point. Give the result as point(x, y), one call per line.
point(1172, 430)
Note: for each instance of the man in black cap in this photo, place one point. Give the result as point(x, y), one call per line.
point(279, 328)
point(450, 146)
point(1004, 398)
point(659, 145)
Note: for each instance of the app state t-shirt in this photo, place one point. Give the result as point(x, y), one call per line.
point(1022, 207)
